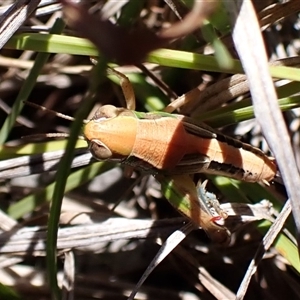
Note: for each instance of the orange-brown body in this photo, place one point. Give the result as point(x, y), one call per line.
point(163, 142)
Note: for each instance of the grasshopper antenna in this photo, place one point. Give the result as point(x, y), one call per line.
point(50, 135)
point(45, 135)
point(60, 115)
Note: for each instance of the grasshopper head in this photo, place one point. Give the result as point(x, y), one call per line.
point(111, 133)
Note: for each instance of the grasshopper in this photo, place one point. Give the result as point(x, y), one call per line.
point(172, 146)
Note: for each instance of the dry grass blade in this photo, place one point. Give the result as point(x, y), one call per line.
point(14, 17)
point(69, 276)
point(250, 47)
point(275, 12)
point(218, 290)
point(36, 164)
point(263, 248)
point(85, 237)
point(230, 88)
point(167, 247)
point(6, 222)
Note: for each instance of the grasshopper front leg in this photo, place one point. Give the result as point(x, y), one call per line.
point(126, 86)
point(181, 192)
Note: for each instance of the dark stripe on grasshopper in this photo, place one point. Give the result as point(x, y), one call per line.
point(251, 163)
point(201, 164)
point(225, 169)
point(190, 164)
point(198, 128)
point(193, 126)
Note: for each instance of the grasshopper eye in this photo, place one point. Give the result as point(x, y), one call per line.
point(99, 150)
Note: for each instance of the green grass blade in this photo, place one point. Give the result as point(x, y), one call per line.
point(231, 115)
point(222, 55)
point(52, 43)
point(8, 293)
point(164, 57)
point(36, 148)
point(62, 173)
